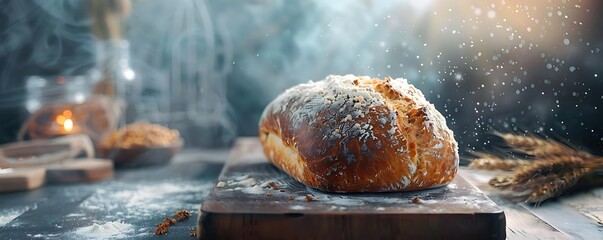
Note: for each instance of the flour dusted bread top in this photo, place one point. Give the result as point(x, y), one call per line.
point(359, 134)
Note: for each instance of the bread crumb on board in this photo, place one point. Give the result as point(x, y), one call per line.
point(273, 185)
point(164, 226)
point(309, 198)
point(182, 214)
point(416, 200)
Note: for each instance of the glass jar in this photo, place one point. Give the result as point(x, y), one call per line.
point(65, 105)
point(117, 79)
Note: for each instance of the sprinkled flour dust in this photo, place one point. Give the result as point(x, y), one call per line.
point(7, 215)
point(135, 202)
point(248, 185)
point(108, 230)
point(298, 207)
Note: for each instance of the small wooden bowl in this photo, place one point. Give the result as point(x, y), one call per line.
point(140, 156)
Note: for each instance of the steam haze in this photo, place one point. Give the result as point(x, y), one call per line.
point(506, 65)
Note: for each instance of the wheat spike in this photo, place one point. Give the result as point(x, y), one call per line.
point(544, 168)
point(555, 168)
point(536, 146)
point(594, 162)
point(501, 182)
point(555, 186)
point(543, 179)
point(487, 161)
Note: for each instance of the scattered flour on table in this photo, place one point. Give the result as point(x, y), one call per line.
point(42, 236)
point(108, 230)
point(244, 181)
point(248, 185)
point(7, 215)
point(75, 215)
point(298, 207)
point(253, 190)
point(133, 201)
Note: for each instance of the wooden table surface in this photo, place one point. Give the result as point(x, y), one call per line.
point(143, 197)
point(576, 216)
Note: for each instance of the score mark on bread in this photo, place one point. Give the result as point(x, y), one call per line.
point(359, 134)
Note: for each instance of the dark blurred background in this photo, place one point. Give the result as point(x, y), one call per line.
point(505, 65)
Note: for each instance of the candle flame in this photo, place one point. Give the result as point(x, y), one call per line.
point(61, 119)
point(67, 113)
point(68, 125)
point(65, 120)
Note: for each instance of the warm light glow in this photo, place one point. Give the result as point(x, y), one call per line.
point(67, 113)
point(61, 119)
point(64, 120)
point(68, 125)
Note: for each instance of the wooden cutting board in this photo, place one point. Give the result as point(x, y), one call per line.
point(76, 171)
point(255, 200)
point(21, 179)
point(69, 171)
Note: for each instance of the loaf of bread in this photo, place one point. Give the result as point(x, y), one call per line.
point(359, 134)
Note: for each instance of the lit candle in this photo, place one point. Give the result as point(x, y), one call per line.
point(65, 120)
point(68, 126)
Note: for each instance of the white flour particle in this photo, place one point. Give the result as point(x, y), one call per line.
point(108, 230)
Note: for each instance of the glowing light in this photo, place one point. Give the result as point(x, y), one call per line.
point(68, 125)
point(32, 105)
point(61, 119)
point(65, 120)
point(79, 97)
point(421, 6)
point(129, 74)
point(491, 14)
point(67, 114)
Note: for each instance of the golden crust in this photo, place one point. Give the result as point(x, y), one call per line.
point(356, 134)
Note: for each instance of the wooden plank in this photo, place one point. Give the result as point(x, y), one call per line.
point(21, 179)
point(589, 204)
point(567, 220)
point(247, 206)
point(570, 217)
point(80, 170)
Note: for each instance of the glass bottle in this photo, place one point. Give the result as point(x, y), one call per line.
point(117, 78)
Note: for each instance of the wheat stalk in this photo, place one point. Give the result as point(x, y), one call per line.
point(555, 186)
point(491, 162)
point(542, 180)
point(554, 169)
point(538, 147)
point(554, 166)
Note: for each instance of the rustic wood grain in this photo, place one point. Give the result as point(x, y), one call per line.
point(574, 216)
point(233, 211)
point(590, 204)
